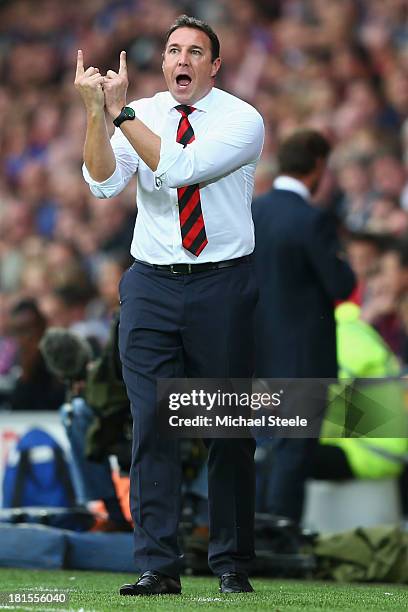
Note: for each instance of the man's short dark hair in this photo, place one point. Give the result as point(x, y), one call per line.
point(73, 295)
point(184, 21)
point(380, 241)
point(299, 153)
point(26, 307)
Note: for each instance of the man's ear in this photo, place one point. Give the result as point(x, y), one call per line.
point(319, 164)
point(320, 167)
point(216, 65)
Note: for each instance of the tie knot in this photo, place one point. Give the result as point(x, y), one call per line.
point(184, 109)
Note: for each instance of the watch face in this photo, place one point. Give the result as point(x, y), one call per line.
point(129, 112)
point(126, 113)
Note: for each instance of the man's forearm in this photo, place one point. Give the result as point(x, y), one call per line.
point(145, 142)
point(98, 154)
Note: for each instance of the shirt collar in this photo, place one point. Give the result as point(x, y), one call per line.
point(289, 183)
point(202, 105)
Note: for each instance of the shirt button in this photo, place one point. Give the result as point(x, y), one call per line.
point(158, 181)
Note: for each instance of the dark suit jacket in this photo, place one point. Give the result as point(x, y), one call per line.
point(299, 277)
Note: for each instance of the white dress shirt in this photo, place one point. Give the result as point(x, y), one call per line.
point(288, 183)
point(228, 142)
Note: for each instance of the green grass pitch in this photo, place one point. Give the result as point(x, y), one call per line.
point(97, 592)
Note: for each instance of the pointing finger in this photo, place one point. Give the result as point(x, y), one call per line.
point(122, 63)
point(80, 64)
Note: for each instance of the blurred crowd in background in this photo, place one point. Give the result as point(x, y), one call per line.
point(340, 66)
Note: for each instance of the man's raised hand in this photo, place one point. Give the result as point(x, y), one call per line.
point(115, 86)
point(89, 84)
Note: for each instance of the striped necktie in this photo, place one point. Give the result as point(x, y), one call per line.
point(194, 237)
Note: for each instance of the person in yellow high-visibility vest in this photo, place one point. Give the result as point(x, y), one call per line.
point(362, 353)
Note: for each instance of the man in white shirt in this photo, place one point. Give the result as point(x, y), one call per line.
point(187, 302)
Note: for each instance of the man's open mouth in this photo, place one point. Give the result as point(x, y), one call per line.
point(183, 80)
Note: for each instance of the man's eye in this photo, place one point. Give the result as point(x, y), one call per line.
point(196, 52)
point(172, 50)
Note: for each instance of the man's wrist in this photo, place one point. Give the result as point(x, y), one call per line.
point(114, 111)
point(95, 113)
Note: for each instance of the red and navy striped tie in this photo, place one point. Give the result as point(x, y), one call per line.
point(194, 237)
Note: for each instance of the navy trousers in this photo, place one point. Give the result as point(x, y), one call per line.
point(292, 463)
point(198, 325)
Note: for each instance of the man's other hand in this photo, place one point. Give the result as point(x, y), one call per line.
point(115, 86)
point(89, 83)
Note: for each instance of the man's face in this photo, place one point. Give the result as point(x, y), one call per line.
point(187, 65)
point(363, 257)
point(396, 275)
point(27, 331)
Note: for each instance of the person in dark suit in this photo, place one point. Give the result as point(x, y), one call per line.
point(300, 275)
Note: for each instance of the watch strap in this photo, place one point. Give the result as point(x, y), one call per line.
point(126, 114)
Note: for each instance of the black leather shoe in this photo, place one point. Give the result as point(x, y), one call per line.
point(152, 583)
point(232, 582)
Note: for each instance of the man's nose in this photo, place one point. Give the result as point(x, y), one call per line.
point(183, 59)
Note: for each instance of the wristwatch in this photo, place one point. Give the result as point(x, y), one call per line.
point(126, 114)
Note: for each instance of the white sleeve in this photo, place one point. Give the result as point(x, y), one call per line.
point(236, 142)
point(127, 162)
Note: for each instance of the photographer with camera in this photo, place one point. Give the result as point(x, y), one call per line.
point(92, 416)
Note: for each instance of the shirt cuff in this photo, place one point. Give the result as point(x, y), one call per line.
point(112, 181)
point(170, 152)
